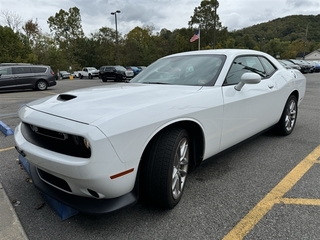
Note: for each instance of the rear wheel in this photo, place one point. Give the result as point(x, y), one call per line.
point(165, 170)
point(289, 116)
point(41, 85)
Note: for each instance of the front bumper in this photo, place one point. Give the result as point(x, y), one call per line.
point(83, 204)
point(89, 184)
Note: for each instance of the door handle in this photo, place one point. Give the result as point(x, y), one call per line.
point(270, 86)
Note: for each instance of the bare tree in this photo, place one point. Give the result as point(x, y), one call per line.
point(11, 19)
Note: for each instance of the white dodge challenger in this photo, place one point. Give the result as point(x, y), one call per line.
point(99, 149)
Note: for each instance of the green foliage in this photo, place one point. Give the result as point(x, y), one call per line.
point(283, 36)
point(66, 23)
point(67, 45)
point(206, 17)
point(13, 46)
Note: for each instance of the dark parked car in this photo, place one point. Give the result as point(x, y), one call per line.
point(289, 65)
point(116, 73)
point(305, 67)
point(37, 77)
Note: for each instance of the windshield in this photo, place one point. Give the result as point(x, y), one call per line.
point(199, 70)
point(120, 68)
point(91, 68)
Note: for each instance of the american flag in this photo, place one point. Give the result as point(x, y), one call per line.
point(196, 36)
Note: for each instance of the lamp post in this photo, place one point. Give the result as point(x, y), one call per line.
point(115, 19)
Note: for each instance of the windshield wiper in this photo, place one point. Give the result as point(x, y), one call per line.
point(155, 83)
point(261, 73)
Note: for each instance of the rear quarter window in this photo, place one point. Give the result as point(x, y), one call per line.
point(268, 66)
point(39, 69)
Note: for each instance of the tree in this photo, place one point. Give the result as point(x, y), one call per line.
point(13, 48)
point(139, 43)
point(104, 45)
point(31, 30)
point(11, 19)
point(66, 28)
point(206, 17)
point(66, 25)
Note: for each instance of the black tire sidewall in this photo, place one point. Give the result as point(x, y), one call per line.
point(156, 179)
point(281, 124)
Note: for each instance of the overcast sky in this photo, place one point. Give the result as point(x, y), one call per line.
point(169, 14)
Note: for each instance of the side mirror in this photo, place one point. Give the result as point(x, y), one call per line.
point(248, 78)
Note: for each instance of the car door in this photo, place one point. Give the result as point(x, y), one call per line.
point(7, 80)
point(250, 110)
point(25, 77)
point(110, 73)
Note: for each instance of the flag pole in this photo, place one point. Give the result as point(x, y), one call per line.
point(199, 39)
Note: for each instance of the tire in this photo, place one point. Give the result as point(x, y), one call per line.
point(90, 76)
point(165, 169)
point(80, 76)
point(289, 116)
point(41, 85)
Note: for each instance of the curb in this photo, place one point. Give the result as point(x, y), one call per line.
point(5, 129)
point(10, 226)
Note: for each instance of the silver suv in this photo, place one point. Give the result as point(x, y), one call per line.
point(37, 77)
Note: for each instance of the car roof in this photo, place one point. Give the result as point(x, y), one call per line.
point(14, 64)
point(24, 65)
point(227, 52)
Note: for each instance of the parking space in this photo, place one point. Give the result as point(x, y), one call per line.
point(284, 193)
point(266, 189)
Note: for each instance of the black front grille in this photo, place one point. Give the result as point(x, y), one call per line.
point(55, 181)
point(64, 143)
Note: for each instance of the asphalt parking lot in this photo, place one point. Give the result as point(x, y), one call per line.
point(267, 188)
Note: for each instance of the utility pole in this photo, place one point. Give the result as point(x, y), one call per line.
point(117, 44)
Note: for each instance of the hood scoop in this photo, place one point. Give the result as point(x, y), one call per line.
point(65, 97)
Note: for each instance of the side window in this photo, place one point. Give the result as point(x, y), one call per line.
point(39, 69)
point(242, 65)
point(270, 69)
point(236, 71)
point(21, 70)
point(5, 71)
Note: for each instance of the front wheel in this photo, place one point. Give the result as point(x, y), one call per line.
point(165, 169)
point(289, 116)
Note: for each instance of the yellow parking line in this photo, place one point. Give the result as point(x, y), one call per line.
point(273, 197)
point(301, 201)
point(6, 149)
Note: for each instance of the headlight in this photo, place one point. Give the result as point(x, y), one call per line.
point(86, 143)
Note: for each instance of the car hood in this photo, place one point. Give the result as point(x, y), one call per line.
point(109, 102)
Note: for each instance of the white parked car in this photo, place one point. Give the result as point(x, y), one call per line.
point(88, 72)
point(100, 149)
